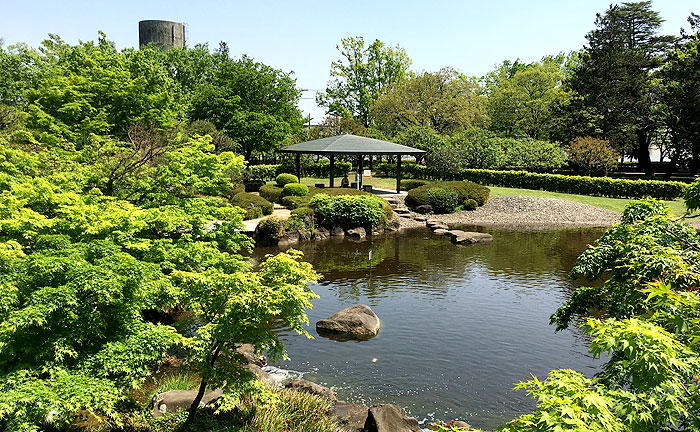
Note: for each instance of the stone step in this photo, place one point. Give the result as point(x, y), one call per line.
point(402, 211)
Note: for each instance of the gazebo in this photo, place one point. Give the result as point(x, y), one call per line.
point(351, 145)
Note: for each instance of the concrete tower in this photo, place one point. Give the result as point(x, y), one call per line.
point(165, 33)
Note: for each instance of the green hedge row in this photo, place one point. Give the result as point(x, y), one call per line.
point(595, 186)
point(320, 169)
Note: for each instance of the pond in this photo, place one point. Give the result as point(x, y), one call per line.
point(460, 325)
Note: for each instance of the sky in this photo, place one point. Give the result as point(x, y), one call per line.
point(301, 36)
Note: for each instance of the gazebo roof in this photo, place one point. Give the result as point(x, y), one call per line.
point(351, 144)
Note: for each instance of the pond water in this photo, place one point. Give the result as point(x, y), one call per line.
point(460, 325)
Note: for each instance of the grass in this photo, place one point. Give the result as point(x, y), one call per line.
point(677, 206)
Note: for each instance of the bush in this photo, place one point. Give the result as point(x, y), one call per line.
point(236, 189)
point(270, 229)
point(407, 185)
point(262, 172)
point(592, 155)
point(295, 189)
point(286, 178)
point(443, 200)
point(271, 193)
point(303, 212)
point(465, 190)
point(253, 185)
point(293, 202)
point(349, 211)
point(255, 206)
point(595, 186)
point(470, 205)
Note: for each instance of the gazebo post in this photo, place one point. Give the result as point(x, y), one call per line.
point(398, 173)
point(298, 165)
point(332, 158)
point(359, 169)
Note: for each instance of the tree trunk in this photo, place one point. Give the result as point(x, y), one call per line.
point(643, 152)
point(695, 161)
point(202, 389)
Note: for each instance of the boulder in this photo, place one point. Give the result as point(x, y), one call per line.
point(357, 322)
point(337, 231)
point(464, 237)
point(248, 351)
point(393, 225)
point(263, 376)
point(358, 232)
point(302, 385)
point(390, 418)
point(351, 417)
point(288, 238)
point(175, 400)
point(439, 226)
point(378, 230)
point(441, 231)
point(321, 234)
point(424, 209)
point(304, 235)
point(430, 222)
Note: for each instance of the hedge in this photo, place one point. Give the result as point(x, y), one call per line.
point(596, 186)
point(271, 193)
point(263, 172)
point(465, 191)
point(407, 185)
point(348, 210)
point(295, 189)
point(320, 169)
point(255, 206)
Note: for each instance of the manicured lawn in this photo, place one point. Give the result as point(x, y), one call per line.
point(615, 204)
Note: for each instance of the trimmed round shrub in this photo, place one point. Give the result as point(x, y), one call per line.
point(443, 200)
point(407, 185)
point(349, 210)
point(292, 202)
point(285, 178)
point(250, 203)
point(470, 205)
point(270, 230)
point(465, 190)
point(271, 193)
point(295, 189)
point(303, 212)
point(236, 189)
point(253, 185)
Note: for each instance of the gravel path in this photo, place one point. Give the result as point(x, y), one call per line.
point(525, 212)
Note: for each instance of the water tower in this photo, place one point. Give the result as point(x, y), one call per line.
point(164, 33)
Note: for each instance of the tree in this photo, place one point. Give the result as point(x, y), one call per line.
point(615, 76)
point(361, 76)
point(254, 104)
point(522, 99)
point(592, 155)
point(445, 101)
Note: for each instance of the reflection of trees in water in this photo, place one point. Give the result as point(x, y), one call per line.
point(422, 262)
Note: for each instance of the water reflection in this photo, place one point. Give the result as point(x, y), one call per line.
point(460, 325)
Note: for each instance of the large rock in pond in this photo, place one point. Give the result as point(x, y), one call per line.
point(302, 385)
point(390, 418)
point(175, 400)
point(358, 232)
point(393, 225)
point(337, 231)
point(248, 351)
point(351, 417)
point(289, 238)
point(463, 237)
point(357, 322)
point(321, 234)
point(263, 376)
point(424, 209)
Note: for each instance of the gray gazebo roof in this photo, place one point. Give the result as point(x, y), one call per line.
point(351, 144)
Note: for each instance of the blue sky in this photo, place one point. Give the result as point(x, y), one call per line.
point(301, 36)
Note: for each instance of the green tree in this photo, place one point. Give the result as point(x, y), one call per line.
point(614, 76)
point(360, 77)
point(592, 155)
point(522, 99)
point(445, 101)
point(254, 104)
point(19, 68)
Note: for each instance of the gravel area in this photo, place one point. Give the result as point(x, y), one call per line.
point(526, 213)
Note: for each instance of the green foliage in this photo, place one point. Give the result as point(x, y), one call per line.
point(295, 189)
point(594, 186)
point(360, 77)
point(443, 200)
point(463, 189)
point(407, 185)
point(348, 210)
point(255, 206)
point(303, 212)
point(263, 172)
point(692, 197)
point(270, 229)
point(285, 178)
point(592, 155)
point(470, 205)
point(253, 185)
point(271, 193)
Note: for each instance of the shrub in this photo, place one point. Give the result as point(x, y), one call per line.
point(236, 189)
point(407, 185)
point(286, 178)
point(349, 211)
point(271, 193)
point(270, 229)
point(443, 200)
point(303, 212)
point(592, 155)
point(292, 202)
point(595, 186)
point(253, 185)
point(295, 189)
point(470, 205)
point(262, 172)
point(255, 206)
point(465, 190)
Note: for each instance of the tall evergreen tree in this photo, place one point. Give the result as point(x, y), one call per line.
point(615, 75)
